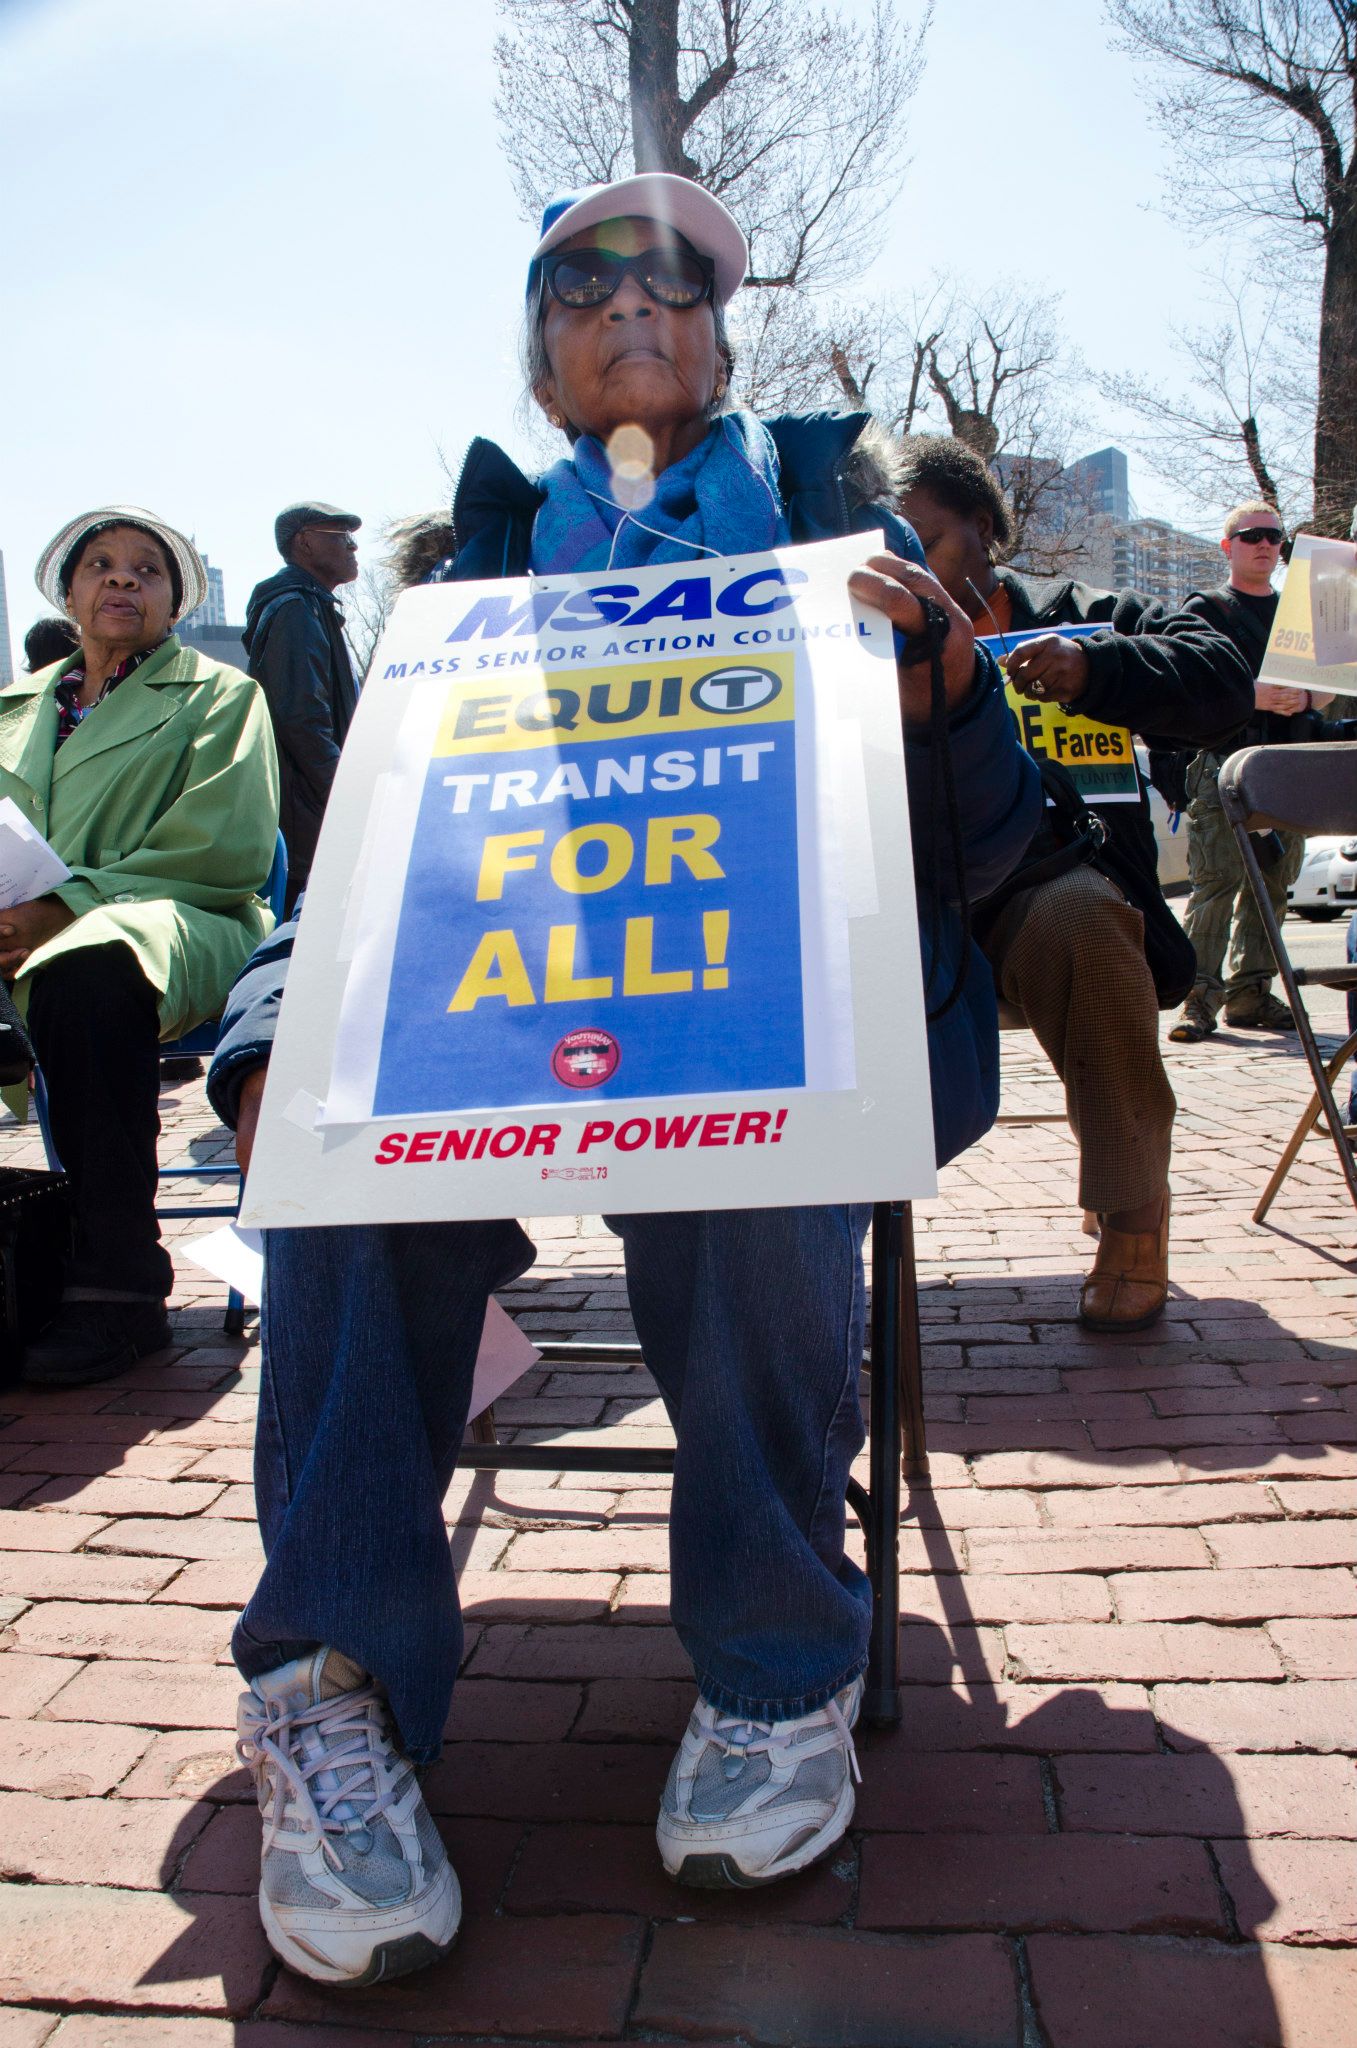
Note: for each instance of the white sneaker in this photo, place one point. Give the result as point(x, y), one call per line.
point(355, 1883)
point(748, 1802)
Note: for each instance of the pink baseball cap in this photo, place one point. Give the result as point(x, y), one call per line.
point(680, 204)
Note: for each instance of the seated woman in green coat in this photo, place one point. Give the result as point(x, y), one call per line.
point(151, 772)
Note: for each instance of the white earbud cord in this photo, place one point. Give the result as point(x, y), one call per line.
point(659, 532)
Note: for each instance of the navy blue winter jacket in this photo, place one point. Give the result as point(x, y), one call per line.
point(831, 485)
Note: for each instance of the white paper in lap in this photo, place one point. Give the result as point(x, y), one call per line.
point(28, 866)
point(237, 1257)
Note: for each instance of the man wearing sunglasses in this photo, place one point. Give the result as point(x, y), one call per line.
point(1244, 608)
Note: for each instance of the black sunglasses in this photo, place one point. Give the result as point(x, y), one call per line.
point(580, 278)
point(1257, 533)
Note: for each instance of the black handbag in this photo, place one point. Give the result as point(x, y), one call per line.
point(35, 1242)
point(1084, 840)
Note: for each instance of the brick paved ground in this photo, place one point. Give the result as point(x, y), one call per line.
point(1118, 1813)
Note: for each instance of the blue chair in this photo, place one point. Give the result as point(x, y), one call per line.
point(201, 1042)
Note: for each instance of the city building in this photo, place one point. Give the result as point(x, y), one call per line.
point(1103, 481)
point(1152, 557)
point(218, 643)
point(1059, 510)
point(208, 629)
point(1082, 521)
point(6, 659)
point(212, 611)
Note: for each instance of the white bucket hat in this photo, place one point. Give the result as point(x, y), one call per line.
point(654, 195)
point(186, 559)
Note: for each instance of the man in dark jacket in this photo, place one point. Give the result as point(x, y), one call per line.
point(294, 637)
point(1087, 952)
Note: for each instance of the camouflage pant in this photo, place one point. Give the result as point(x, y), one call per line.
point(1221, 897)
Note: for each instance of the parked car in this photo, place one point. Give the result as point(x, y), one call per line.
point(1170, 833)
point(1326, 886)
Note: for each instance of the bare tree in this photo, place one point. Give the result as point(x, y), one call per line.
point(991, 368)
point(796, 353)
point(795, 117)
point(792, 115)
point(1241, 421)
point(367, 606)
point(1259, 98)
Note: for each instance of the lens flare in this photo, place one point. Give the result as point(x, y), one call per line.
point(631, 454)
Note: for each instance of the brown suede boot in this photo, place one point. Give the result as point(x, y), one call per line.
point(1129, 1282)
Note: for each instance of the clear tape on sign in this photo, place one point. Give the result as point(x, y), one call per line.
point(857, 863)
point(304, 1111)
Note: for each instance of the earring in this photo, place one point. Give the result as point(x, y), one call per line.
point(555, 419)
point(720, 391)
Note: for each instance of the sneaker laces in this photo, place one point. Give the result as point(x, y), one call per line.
point(741, 1738)
point(346, 1726)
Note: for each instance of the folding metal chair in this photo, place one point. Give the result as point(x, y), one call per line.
point(200, 1042)
point(895, 1362)
point(1306, 789)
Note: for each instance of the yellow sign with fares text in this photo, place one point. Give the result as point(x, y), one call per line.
point(1100, 758)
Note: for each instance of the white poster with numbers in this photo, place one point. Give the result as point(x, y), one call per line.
point(1313, 642)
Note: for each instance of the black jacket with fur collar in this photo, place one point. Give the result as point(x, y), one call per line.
point(1169, 675)
point(1171, 678)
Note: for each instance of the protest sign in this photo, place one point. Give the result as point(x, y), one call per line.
point(1313, 642)
point(613, 907)
point(1100, 758)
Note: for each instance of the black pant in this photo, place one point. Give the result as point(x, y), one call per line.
point(93, 1020)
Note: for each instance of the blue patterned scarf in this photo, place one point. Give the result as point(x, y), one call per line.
point(721, 499)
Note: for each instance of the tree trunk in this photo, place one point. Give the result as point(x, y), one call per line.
point(657, 111)
point(853, 391)
point(977, 430)
point(1257, 461)
point(1336, 415)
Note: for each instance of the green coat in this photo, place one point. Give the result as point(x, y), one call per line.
point(163, 803)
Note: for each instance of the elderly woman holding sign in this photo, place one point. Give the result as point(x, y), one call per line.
point(750, 1321)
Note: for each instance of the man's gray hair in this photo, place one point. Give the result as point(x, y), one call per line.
point(536, 368)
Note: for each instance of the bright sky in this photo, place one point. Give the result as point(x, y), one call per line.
point(256, 250)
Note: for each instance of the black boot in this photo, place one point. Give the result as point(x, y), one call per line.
point(16, 1051)
point(95, 1340)
point(180, 1069)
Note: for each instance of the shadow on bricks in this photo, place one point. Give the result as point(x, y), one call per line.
point(1114, 1893)
point(1218, 1388)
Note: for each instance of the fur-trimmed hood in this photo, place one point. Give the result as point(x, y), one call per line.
point(874, 467)
point(416, 545)
point(869, 467)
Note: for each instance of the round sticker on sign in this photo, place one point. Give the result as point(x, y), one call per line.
point(586, 1058)
point(737, 688)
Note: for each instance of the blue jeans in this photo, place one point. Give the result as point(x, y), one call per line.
point(751, 1322)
